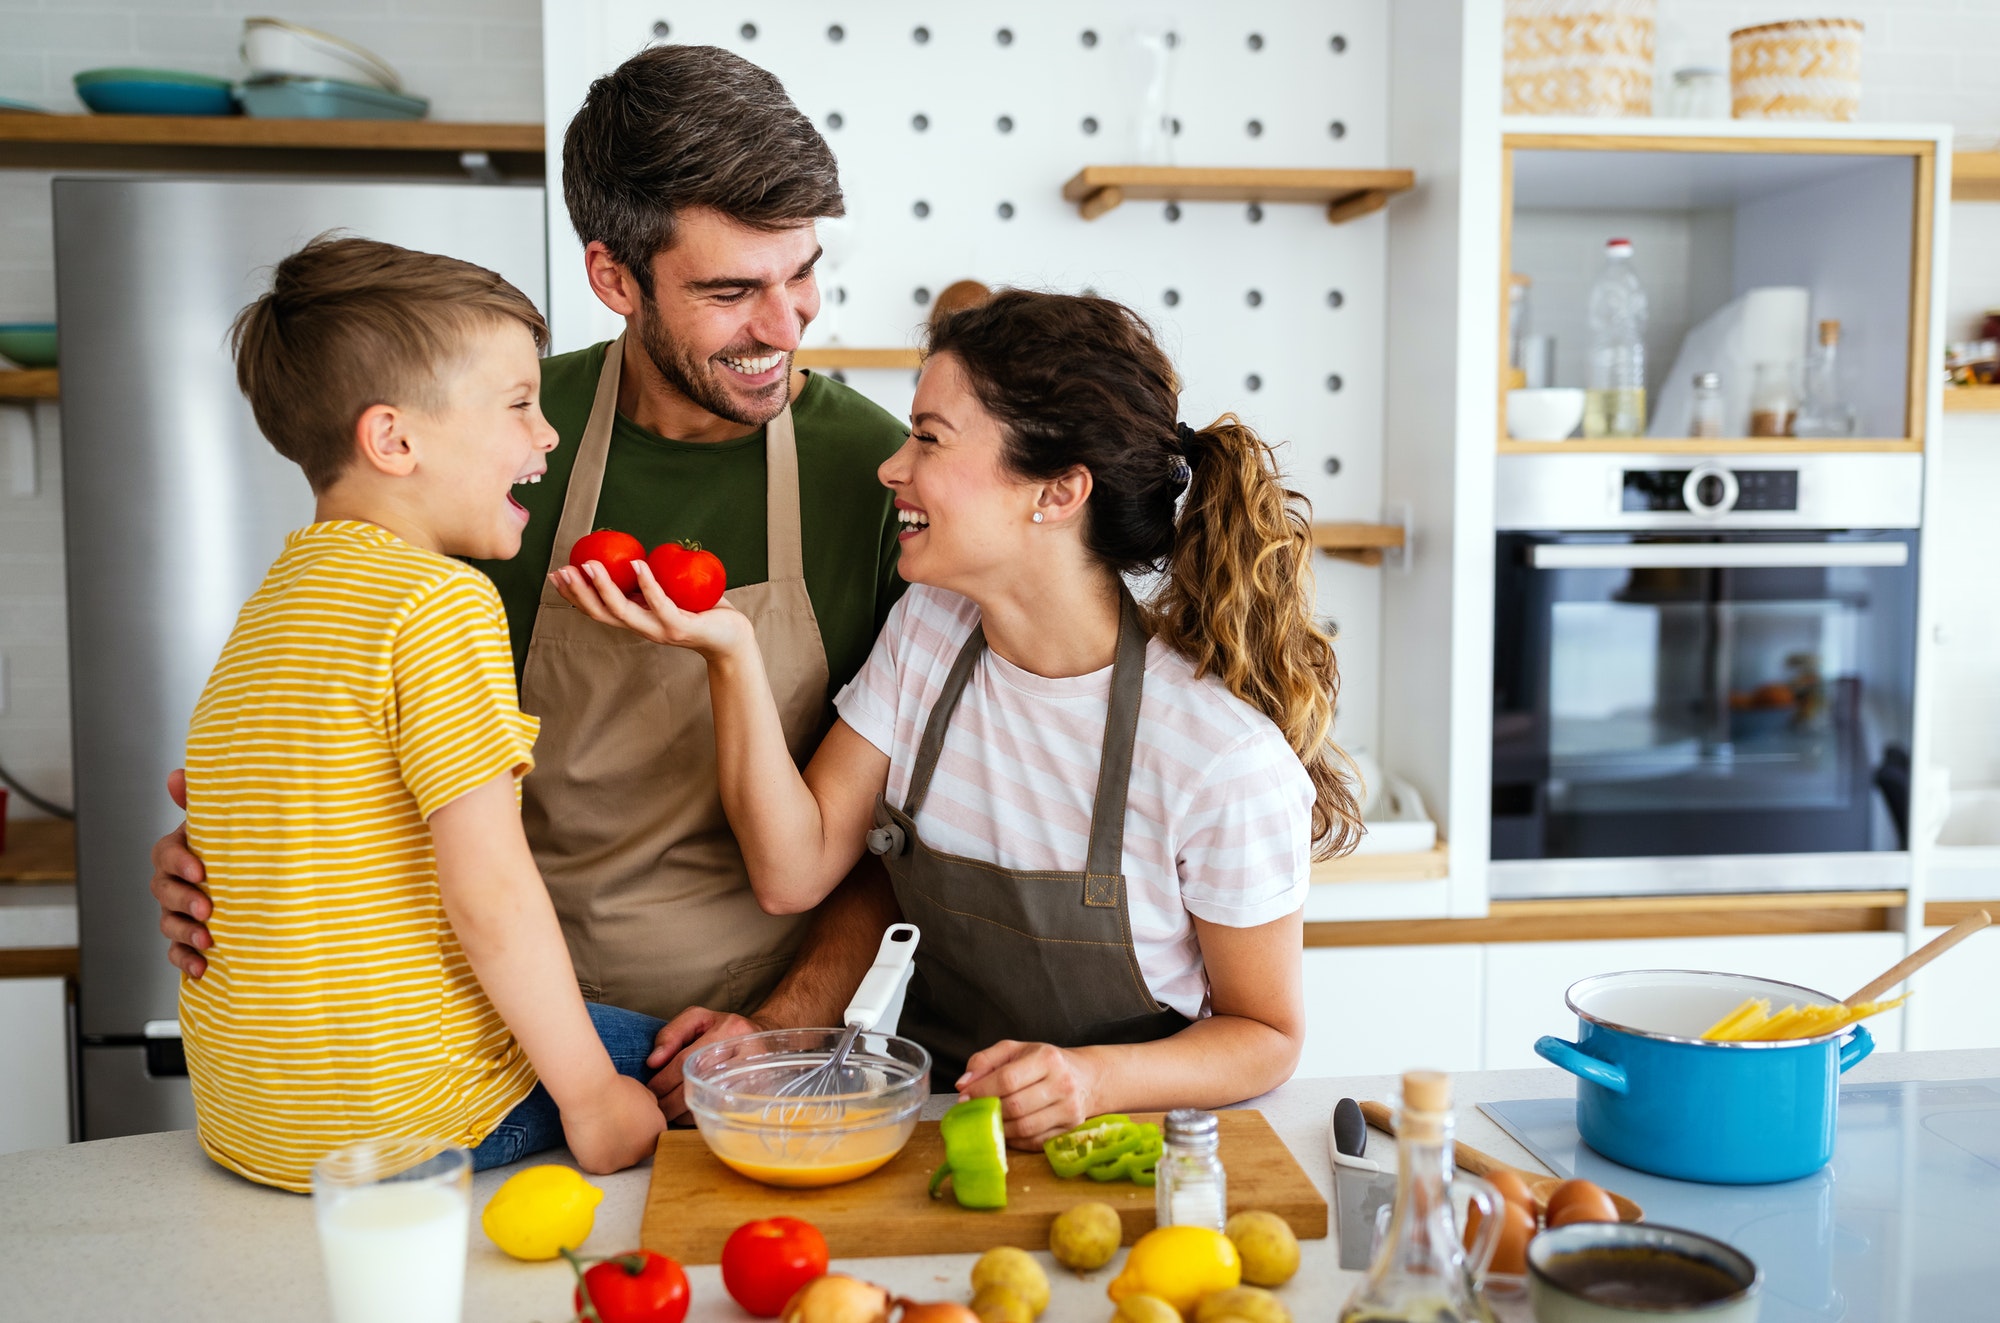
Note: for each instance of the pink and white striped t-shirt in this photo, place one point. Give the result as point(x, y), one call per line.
point(1218, 820)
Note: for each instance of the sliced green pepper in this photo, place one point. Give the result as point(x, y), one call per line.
point(1099, 1140)
point(1143, 1158)
point(975, 1155)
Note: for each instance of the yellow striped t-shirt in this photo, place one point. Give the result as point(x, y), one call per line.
point(366, 685)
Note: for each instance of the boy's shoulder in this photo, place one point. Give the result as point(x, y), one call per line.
point(355, 563)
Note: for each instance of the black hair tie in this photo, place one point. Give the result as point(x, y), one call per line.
point(1178, 468)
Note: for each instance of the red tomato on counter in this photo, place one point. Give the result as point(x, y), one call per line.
point(692, 578)
point(615, 551)
point(639, 1287)
point(765, 1262)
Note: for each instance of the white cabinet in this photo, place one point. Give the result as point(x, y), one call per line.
point(1955, 1001)
point(1379, 1010)
point(1525, 981)
point(34, 1064)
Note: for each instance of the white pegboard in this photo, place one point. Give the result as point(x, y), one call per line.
point(1006, 94)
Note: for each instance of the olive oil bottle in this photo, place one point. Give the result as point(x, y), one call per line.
point(1422, 1274)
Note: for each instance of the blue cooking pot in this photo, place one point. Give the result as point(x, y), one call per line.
point(1656, 1097)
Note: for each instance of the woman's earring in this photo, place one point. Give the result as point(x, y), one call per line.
point(1038, 516)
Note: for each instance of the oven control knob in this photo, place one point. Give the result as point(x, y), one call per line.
point(1710, 490)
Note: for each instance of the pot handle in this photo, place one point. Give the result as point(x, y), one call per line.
point(1858, 1045)
point(1562, 1052)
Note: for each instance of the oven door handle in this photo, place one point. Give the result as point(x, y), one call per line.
point(1716, 555)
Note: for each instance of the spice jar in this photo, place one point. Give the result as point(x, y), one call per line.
point(1190, 1189)
point(1773, 401)
point(1705, 406)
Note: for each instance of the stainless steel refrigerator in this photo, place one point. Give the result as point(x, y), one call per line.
point(174, 505)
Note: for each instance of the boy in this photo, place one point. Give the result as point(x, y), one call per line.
point(387, 961)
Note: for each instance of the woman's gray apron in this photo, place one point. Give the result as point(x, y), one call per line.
point(1041, 957)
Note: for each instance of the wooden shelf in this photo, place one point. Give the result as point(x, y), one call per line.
point(1612, 918)
point(1726, 445)
point(238, 142)
point(1972, 399)
point(1975, 176)
point(39, 850)
point(835, 356)
point(1419, 866)
point(28, 384)
point(1361, 543)
point(1345, 194)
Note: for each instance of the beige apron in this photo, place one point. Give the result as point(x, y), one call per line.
point(623, 808)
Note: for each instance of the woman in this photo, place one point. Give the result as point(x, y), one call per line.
point(1101, 815)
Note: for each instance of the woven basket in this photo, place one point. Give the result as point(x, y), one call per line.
point(1579, 57)
point(1809, 68)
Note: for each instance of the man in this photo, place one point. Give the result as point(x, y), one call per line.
point(694, 183)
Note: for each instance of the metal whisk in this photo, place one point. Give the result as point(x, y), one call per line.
point(818, 1099)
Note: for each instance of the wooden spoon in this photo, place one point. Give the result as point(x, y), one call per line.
point(1920, 957)
point(1485, 1164)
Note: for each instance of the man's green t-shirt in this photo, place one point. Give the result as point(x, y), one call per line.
point(662, 490)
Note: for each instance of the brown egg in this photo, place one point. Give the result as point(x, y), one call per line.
point(1517, 1228)
point(1580, 1201)
point(1512, 1187)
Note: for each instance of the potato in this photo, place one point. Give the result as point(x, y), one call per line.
point(1016, 1270)
point(1085, 1237)
point(1252, 1304)
point(1265, 1243)
point(1001, 1304)
point(1143, 1308)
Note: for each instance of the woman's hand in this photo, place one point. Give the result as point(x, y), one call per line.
point(719, 631)
point(1043, 1090)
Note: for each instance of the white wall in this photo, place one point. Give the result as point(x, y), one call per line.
point(474, 59)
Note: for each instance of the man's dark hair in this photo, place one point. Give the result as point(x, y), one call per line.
point(690, 126)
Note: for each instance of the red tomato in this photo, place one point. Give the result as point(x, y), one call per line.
point(639, 1287)
point(691, 577)
point(615, 551)
point(765, 1262)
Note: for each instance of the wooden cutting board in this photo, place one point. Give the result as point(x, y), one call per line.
point(695, 1201)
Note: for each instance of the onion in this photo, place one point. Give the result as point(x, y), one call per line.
point(939, 1311)
point(838, 1298)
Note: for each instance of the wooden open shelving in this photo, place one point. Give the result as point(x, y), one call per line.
point(1972, 399)
point(238, 142)
point(837, 356)
point(1345, 194)
point(1361, 543)
point(1975, 176)
point(40, 851)
point(1415, 866)
point(1613, 918)
point(1720, 445)
point(28, 384)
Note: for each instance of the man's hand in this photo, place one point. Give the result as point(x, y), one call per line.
point(1043, 1090)
point(177, 878)
point(618, 1129)
point(697, 1026)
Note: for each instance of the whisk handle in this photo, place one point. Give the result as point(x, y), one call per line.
point(884, 977)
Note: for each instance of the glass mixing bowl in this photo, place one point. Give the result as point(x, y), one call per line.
point(860, 1120)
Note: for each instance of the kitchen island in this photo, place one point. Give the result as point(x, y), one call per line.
point(145, 1227)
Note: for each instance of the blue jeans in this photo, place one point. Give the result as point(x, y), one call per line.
point(535, 1124)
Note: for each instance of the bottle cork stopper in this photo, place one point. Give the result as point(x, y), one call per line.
point(1426, 1091)
point(1829, 332)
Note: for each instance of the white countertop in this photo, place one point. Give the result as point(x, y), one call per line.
point(146, 1227)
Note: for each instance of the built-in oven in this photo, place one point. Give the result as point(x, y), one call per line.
point(1703, 672)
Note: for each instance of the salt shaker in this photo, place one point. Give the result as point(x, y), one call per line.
point(1705, 406)
point(1190, 1189)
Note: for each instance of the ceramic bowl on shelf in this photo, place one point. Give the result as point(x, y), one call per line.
point(733, 1089)
point(1548, 413)
point(273, 47)
point(28, 344)
point(154, 92)
point(326, 98)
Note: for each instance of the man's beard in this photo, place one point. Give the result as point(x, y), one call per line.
point(696, 378)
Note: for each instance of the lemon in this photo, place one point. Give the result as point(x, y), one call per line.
point(542, 1211)
point(1180, 1265)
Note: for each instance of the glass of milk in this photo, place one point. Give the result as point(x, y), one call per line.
point(393, 1217)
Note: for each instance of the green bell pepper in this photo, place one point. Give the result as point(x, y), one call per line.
point(1141, 1159)
point(1100, 1140)
point(975, 1155)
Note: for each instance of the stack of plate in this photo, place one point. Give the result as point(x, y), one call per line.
point(301, 73)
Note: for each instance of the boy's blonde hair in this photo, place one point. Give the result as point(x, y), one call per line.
point(351, 323)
